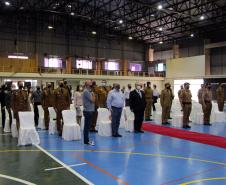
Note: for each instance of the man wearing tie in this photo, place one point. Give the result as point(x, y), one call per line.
point(137, 106)
point(115, 103)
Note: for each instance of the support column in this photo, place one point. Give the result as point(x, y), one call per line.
point(125, 67)
point(207, 61)
point(150, 55)
point(68, 65)
point(98, 66)
point(176, 52)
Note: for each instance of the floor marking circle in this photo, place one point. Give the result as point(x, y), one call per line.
point(16, 179)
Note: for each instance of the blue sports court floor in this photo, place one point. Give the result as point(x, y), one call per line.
point(134, 159)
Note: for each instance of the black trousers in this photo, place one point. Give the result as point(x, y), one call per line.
point(10, 115)
point(115, 122)
point(139, 118)
point(3, 117)
point(36, 113)
point(127, 102)
point(155, 98)
point(88, 121)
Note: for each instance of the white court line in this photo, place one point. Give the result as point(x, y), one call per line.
point(65, 166)
point(16, 179)
point(73, 165)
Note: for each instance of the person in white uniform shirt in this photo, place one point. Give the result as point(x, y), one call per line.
point(155, 96)
point(126, 94)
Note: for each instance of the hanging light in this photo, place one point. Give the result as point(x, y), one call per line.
point(202, 17)
point(120, 21)
point(7, 3)
point(50, 27)
point(159, 7)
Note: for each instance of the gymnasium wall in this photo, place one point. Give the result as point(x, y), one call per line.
point(52, 43)
point(188, 67)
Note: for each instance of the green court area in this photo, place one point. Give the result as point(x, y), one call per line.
point(28, 166)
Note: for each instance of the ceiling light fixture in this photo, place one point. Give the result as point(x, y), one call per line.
point(50, 27)
point(120, 21)
point(72, 13)
point(94, 32)
point(18, 57)
point(130, 38)
point(161, 42)
point(192, 35)
point(160, 29)
point(202, 17)
point(159, 7)
point(7, 3)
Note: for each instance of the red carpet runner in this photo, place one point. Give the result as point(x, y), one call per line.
point(187, 135)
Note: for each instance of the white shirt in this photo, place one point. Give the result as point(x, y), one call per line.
point(155, 92)
point(126, 93)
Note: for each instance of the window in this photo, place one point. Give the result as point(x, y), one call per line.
point(53, 62)
point(160, 67)
point(83, 64)
point(111, 66)
point(135, 67)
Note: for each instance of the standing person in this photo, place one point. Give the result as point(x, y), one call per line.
point(8, 97)
point(137, 106)
point(220, 97)
point(3, 105)
point(78, 103)
point(115, 103)
point(155, 96)
point(207, 103)
point(20, 102)
point(180, 96)
point(126, 94)
point(36, 98)
point(186, 103)
point(165, 100)
point(88, 99)
point(95, 90)
point(68, 88)
point(48, 100)
point(123, 89)
point(62, 102)
point(149, 98)
point(102, 97)
point(171, 101)
point(200, 91)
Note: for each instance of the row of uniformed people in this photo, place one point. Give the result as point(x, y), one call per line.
point(204, 98)
point(60, 99)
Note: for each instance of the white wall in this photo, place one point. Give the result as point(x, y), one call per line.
point(189, 67)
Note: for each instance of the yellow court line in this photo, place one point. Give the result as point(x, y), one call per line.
point(126, 153)
point(201, 180)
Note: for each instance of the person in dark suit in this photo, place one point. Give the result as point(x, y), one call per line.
point(137, 106)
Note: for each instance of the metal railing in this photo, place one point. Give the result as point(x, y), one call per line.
point(79, 71)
